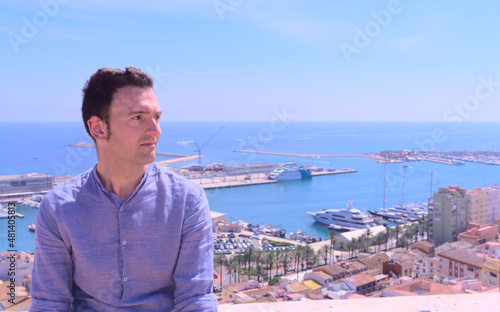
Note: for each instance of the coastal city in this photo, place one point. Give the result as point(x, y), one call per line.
point(445, 246)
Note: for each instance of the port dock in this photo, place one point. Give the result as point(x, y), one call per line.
point(213, 181)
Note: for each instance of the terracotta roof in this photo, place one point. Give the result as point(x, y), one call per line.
point(492, 264)
point(425, 246)
point(374, 260)
point(296, 287)
point(460, 256)
point(424, 288)
point(321, 274)
point(359, 279)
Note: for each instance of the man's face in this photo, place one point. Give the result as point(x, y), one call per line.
point(134, 127)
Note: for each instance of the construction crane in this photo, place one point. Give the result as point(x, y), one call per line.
point(198, 149)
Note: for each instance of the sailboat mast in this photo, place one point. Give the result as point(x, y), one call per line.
point(404, 179)
point(385, 177)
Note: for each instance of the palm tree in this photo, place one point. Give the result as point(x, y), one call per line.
point(239, 260)
point(219, 261)
point(348, 245)
point(333, 242)
point(387, 236)
point(258, 263)
point(309, 252)
point(228, 263)
point(277, 254)
point(323, 253)
point(368, 235)
point(408, 234)
point(285, 260)
point(269, 260)
point(314, 260)
point(379, 240)
point(363, 243)
point(342, 247)
point(298, 253)
point(416, 229)
point(402, 242)
point(354, 246)
point(397, 231)
point(249, 255)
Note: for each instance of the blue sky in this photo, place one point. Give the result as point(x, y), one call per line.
point(245, 59)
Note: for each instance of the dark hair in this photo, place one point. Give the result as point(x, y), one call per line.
point(99, 89)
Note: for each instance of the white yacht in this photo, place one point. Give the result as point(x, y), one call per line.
point(348, 217)
point(409, 211)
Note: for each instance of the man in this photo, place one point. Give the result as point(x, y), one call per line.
point(127, 235)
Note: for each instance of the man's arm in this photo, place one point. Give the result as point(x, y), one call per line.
point(194, 271)
point(52, 277)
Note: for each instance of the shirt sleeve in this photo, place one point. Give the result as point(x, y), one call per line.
point(193, 274)
point(52, 277)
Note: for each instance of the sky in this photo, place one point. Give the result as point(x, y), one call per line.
point(237, 60)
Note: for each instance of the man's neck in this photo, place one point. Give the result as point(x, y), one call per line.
point(119, 180)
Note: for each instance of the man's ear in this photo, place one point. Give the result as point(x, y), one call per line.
point(98, 128)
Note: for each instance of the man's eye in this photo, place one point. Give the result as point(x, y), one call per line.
point(136, 117)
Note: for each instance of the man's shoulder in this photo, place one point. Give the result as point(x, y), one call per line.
point(69, 188)
point(176, 181)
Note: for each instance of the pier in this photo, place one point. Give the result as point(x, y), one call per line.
point(90, 145)
point(178, 159)
point(373, 156)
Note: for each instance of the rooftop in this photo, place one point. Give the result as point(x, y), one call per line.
point(359, 279)
point(374, 260)
point(424, 288)
point(456, 303)
point(463, 257)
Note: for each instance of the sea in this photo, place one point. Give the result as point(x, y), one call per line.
point(44, 148)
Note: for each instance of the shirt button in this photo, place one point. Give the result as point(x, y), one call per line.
point(124, 243)
point(121, 208)
point(125, 279)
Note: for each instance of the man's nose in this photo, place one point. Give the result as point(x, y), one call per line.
point(154, 128)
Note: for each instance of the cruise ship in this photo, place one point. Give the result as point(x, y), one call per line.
point(288, 172)
point(347, 218)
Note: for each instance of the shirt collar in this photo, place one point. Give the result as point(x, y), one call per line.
point(95, 176)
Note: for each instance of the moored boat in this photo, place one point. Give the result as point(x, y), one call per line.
point(348, 218)
point(290, 171)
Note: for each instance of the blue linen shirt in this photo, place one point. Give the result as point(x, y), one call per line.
point(151, 252)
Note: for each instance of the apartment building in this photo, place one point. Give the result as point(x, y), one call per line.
point(449, 214)
point(479, 234)
point(460, 264)
point(479, 206)
point(491, 272)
